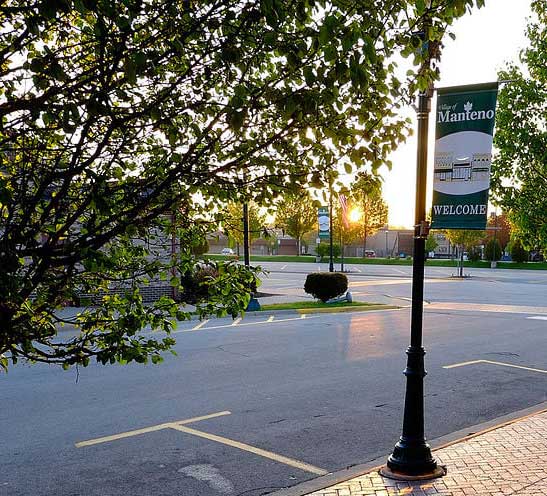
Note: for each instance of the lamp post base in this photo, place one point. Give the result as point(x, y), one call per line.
point(412, 460)
point(438, 471)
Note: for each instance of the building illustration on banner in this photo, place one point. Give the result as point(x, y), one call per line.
point(448, 168)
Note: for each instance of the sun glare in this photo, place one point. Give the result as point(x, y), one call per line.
point(355, 214)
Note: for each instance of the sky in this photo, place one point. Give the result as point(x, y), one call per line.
point(485, 40)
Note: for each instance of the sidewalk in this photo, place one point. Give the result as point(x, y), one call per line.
point(510, 459)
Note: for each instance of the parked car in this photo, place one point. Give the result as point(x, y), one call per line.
point(227, 251)
point(370, 253)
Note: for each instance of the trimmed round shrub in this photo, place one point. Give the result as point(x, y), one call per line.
point(326, 285)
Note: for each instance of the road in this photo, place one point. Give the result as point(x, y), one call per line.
point(270, 401)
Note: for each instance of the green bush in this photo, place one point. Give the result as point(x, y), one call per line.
point(195, 284)
point(200, 247)
point(518, 253)
point(492, 250)
point(326, 285)
point(323, 250)
point(474, 254)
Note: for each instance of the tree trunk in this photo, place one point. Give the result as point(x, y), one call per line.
point(365, 236)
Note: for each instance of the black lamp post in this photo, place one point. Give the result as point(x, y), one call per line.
point(246, 248)
point(331, 233)
point(411, 457)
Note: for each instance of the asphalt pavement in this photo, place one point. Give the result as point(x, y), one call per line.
point(254, 405)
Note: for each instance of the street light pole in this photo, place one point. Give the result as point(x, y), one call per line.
point(246, 250)
point(331, 234)
point(411, 457)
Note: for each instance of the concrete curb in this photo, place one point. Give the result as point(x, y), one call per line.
point(459, 436)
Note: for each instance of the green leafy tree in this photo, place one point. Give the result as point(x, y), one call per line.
point(233, 222)
point(323, 250)
point(367, 194)
point(492, 250)
point(518, 253)
point(499, 227)
point(519, 171)
point(310, 239)
point(296, 214)
point(345, 232)
point(465, 240)
point(431, 243)
point(116, 113)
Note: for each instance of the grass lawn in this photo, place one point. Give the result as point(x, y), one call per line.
point(482, 264)
point(320, 306)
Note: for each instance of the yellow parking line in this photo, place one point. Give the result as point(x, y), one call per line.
point(251, 449)
point(270, 318)
point(200, 325)
point(253, 323)
point(503, 364)
point(236, 321)
point(153, 428)
point(122, 435)
point(461, 364)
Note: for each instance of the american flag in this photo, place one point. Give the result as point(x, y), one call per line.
point(344, 205)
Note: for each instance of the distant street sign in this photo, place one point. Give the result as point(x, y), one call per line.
point(323, 221)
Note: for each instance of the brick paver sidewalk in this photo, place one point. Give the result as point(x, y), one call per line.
point(509, 460)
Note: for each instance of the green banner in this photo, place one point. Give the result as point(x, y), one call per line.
point(463, 153)
point(324, 222)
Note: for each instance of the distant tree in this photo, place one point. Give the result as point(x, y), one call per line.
point(310, 239)
point(232, 221)
point(465, 240)
point(296, 214)
point(431, 243)
point(323, 250)
point(367, 194)
point(492, 250)
point(475, 254)
point(499, 227)
point(345, 231)
point(518, 253)
point(519, 170)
